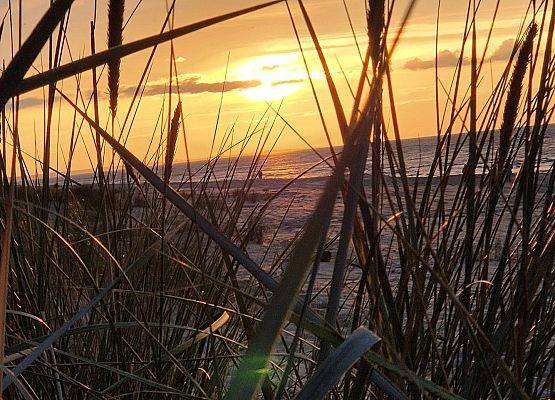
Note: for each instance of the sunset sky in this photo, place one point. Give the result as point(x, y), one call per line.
point(265, 66)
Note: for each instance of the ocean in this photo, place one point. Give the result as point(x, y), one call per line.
point(419, 154)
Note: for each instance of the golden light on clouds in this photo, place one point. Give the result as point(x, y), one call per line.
point(256, 59)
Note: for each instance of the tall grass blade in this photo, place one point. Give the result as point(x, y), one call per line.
point(499, 171)
point(12, 76)
point(5, 256)
point(337, 364)
point(340, 114)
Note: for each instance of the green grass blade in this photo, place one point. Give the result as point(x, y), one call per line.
point(338, 363)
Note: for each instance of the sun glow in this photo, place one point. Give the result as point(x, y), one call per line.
point(280, 75)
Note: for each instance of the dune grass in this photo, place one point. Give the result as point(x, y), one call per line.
point(142, 284)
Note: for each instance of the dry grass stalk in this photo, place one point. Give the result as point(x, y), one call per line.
point(116, 9)
point(171, 143)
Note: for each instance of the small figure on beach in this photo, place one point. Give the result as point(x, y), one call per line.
point(260, 175)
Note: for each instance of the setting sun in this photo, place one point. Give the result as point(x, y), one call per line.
point(280, 75)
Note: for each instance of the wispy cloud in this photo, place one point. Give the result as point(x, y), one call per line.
point(504, 51)
point(31, 102)
point(287, 82)
point(270, 67)
point(448, 58)
point(445, 58)
point(187, 85)
point(194, 85)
